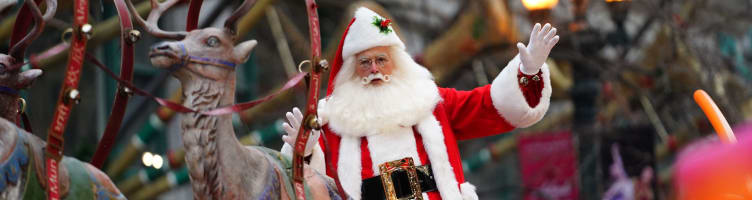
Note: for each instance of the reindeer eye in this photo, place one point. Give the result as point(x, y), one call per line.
point(3, 68)
point(213, 41)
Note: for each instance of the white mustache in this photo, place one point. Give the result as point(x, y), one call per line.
point(371, 77)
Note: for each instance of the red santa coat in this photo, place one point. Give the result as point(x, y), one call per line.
point(507, 103)
point(459, 115)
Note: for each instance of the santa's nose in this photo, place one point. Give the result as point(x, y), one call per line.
point(374, 68)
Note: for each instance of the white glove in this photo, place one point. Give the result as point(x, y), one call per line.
point(534, 55)
point(295, 118)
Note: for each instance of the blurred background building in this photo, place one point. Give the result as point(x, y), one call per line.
point(623, 75)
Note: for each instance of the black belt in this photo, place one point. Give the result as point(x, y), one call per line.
point(373, 189)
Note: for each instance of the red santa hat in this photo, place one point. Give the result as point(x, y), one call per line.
point(366, 30)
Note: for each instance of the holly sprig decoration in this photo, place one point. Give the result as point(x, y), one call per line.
point(382, 24)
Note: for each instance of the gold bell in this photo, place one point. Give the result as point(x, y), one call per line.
point(133, 36)
point(125, 91)
point(23, 105)
point(86, 31)
point(324, 65)
point(312, 122)
point(66, 35)
point(72, 96)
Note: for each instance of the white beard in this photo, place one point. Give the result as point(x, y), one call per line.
point(354, 109)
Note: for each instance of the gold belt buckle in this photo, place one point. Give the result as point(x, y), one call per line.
point(386, 169)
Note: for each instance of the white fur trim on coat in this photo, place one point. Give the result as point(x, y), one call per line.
point(350, 163)
point(317, 160)
point(363, 34)
point(509, 100)
point(349, 166)
point(468, 191)
point(392, 146)
point(433, 141)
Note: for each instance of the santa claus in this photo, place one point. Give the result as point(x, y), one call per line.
point(390, 131)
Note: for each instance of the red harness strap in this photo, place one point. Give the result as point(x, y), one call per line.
point(68, 96)
point(309, 119)
point(126, 73)
point(128, 37)
point(193, 10)
point(182, 109)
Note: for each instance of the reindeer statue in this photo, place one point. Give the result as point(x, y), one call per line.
point(22, 172)
point(220, 167)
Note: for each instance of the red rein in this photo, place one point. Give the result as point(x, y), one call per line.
point(68, 96)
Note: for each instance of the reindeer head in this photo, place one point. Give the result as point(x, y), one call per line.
point(12, 78)
point(207, 53)
point(10, 75)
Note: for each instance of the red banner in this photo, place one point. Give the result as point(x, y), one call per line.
point(548, 164)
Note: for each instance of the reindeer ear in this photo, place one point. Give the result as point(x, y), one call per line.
point(243, 50)
point(27, 77)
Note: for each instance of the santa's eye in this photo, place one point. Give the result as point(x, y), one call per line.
point(3, 67)
point(365, 62)
point(213, 41)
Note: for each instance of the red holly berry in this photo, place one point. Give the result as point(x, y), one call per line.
point(386, 23)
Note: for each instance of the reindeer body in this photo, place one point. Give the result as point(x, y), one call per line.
point(22, 172)
point(22, 166)
point(214, 154)
point(220, 167)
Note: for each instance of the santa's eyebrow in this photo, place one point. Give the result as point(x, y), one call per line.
point(380, 55)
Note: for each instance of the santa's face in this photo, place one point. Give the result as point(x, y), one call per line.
point(374, 66)
point(381, 105)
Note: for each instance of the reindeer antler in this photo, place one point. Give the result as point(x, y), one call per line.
point(150, 24)
point(230, 23)
point(17, 50)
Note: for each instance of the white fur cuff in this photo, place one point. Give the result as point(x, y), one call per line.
point(468, 191)
point(317, 157)
point(509, 100)
point(286, 151)
point(317, 160)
